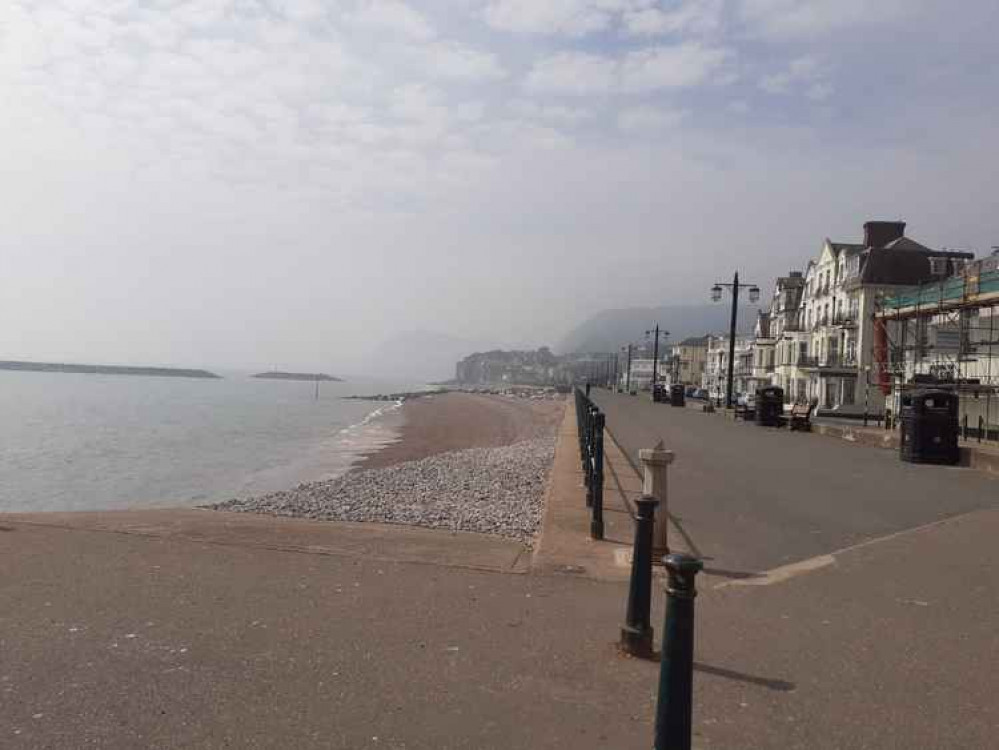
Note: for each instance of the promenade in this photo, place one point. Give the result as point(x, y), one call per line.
point(870, 623)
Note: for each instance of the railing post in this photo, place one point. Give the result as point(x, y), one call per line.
point(636, 635)
point(597, 521)
point(655, 465)
point(674, 709)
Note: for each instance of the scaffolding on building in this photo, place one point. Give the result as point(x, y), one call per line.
point(944, 335)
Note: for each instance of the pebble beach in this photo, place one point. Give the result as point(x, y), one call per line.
point(463, 462)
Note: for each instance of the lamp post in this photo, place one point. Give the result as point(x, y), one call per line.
point(754, 296)
point(656, 333)
point(627, 377)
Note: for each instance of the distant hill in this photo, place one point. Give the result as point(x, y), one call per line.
point(310, 376)
point(609, 330)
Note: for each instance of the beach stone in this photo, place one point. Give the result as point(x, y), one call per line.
point(498, 491)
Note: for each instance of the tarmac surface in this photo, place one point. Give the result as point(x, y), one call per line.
point(752, 498)
point(193, 629)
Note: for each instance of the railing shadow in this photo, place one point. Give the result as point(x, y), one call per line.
point(782, 686)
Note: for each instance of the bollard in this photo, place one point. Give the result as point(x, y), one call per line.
point(964, 427)
point(636, 635)
point(597, 521)
point(674, 708)
point(655, 468)
point(981, 428)
point(587, 389)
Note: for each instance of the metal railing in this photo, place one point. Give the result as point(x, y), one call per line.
point(590, 423)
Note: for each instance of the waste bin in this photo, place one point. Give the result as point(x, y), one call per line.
point(929, 427)
point(657, 393)
point(769, 406)
point(677, 395)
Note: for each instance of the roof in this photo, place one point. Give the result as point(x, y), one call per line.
point(695, 341)
point(904, 243)
point(841, 246)
point(791, 281)
point(902, 262)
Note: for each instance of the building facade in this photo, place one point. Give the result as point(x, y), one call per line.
point(825, 353)
point(688, 361)
point(715, 378)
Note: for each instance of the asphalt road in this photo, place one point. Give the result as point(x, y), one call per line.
point(750, 498)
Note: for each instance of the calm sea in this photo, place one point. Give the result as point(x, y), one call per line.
point(86, 442)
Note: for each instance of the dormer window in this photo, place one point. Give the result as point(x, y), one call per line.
point(938, 266)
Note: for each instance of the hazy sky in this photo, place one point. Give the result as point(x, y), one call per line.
point(258, 182)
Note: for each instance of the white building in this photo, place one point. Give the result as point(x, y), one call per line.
point(715, 378)
point(641, 374)
point(829, 359)
point(776, 333)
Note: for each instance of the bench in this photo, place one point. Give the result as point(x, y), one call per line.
point(800, 418)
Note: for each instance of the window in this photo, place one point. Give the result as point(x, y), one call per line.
point(938, 266)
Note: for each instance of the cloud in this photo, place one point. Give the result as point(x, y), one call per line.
point(454, 60)
point(577, 73)
point(649, 119)
point(802, 73)
point(571, 17)
point(677, 66)
point(689, 16)
point(640, 71)
point(550, 112)
point(394, 17)
point(809, 18)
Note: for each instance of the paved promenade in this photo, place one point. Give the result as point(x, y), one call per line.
point(191, 629)
point(750, 499)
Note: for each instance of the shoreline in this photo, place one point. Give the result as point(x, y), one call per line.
point(452, 421)
point(460, 462)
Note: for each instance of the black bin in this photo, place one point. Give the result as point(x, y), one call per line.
point(677, 395)
point(769, 406)
point(929, 427)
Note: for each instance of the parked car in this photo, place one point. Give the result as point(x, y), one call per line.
point(690, 390)
point(747, 399)
point(700, 393)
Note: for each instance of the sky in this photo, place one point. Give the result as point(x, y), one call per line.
point(287, 183)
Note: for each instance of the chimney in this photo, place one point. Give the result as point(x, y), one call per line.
point(880, 233)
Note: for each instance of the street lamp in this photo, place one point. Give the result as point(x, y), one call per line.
point(656, 333)
point(627, 377)
point(716, 295)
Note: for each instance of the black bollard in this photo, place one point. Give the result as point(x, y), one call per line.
point(636, 635)
point(597, 485)
point(981, 427)
point(587, 388)
point(588, 474)
point(674, 709)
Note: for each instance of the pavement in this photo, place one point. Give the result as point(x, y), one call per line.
point(751, 498)
point(193, 629)
point(139, 634)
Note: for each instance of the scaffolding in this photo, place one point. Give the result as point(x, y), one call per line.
point(945, 335)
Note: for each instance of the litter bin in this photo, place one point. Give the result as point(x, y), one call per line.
point(657, 393)
point(677, 395)
point(929, 427)
point(769, 406)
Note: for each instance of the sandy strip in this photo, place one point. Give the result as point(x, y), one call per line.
point(455, 421)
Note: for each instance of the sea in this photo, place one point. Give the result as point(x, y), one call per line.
point(99, 442)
